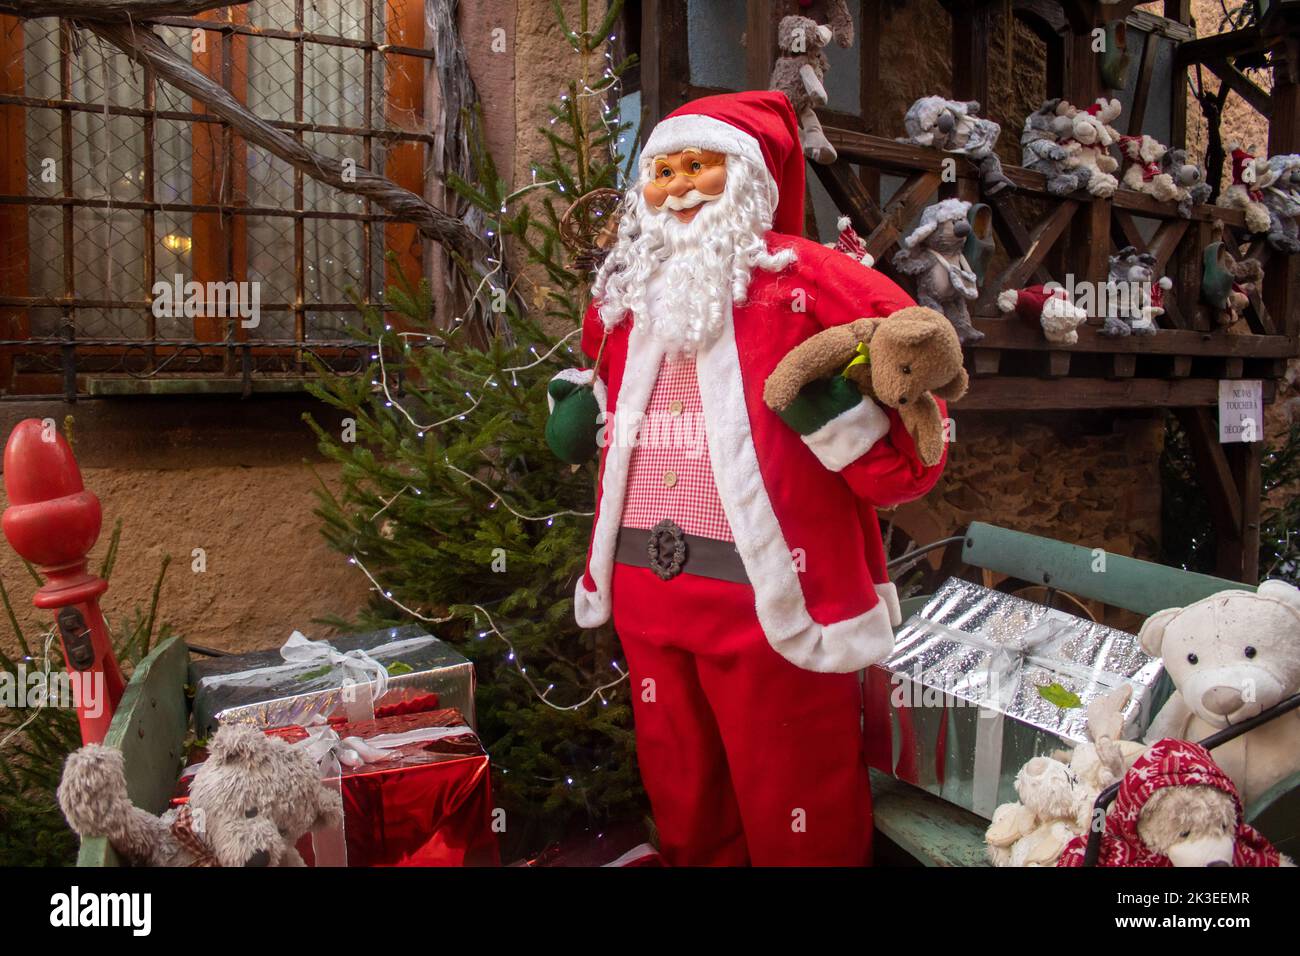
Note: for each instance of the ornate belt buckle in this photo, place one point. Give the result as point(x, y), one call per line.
point(666, 547)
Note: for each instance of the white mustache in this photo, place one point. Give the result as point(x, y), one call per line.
point(690, 200)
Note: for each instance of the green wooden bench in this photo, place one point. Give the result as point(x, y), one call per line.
point(149, 728)
point(937, 833)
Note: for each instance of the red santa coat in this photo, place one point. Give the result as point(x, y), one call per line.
point(804, 521)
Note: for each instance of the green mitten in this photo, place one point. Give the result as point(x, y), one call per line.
point(574, 423)
point(819, 402)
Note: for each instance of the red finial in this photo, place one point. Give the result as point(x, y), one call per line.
point(53, 522)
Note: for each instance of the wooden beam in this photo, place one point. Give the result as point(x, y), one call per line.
point(913, 196)
point(1002, 334)
point(1030, 261)
point(850, 195)
point(665, 64)
point(14, 256)
point(1010, 393)
point(1217, 480)
point(970, 39)
point(1217, 46)
point(760, 44)
point(1142, 90)
point(1259, 100)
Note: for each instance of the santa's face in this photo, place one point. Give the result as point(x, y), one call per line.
point(691, 232)
point(682, 182)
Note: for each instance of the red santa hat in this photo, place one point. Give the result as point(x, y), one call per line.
point(1240, 157)
point(757, 124)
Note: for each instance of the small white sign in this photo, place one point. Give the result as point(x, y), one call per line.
point(1241, 410)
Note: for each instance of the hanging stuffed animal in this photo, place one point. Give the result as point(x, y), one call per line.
point(799, 73)
point(1189, 180)
point(1251, 175)
point(1143, 172)
point(933, 253)
point(833, 13)
point(1282, 200)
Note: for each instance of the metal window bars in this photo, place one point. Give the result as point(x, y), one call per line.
point(127, 182)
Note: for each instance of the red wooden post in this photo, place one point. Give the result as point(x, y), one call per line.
point(53, 522)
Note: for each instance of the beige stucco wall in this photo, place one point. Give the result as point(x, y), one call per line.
point(268, 570)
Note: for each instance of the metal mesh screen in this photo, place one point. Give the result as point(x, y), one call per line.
point(128, 183)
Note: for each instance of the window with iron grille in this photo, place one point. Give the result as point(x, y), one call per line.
point(114, 182)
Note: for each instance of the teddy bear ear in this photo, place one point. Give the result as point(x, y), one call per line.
point(954, 389)
point(1152, 634)
point(1281, 591)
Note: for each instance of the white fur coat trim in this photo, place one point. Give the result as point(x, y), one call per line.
point(888, 595)
point(849, 435)
point(836, 647)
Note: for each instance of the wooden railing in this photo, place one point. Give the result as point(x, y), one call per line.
point(1014, 365)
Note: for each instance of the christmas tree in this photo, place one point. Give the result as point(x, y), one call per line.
point(455, 509)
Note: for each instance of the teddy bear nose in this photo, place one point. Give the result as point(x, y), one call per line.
point(1218, 863)
point(1222, 700)
point(260, 858)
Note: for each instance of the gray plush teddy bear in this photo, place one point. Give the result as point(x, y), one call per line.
point(250, 802)
point(933, 253)
point(799, 73)
point(1042, 149)
point(954, 127)
point(1134, 297)
point(1188, 177)
point(1282, 200)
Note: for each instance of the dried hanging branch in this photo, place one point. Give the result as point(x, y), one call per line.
point(144, 47)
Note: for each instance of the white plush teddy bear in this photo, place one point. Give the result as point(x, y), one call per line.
point(1143, 173)
point(1230, 656)
point(1057, 793)
point(1094, 135)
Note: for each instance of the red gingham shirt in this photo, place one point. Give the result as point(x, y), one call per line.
point(670, 475)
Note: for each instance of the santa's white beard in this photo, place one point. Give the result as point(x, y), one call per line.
point(680, 279)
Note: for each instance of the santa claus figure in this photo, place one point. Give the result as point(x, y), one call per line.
point(736, 550)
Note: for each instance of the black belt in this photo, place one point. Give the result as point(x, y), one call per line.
point(667, 550)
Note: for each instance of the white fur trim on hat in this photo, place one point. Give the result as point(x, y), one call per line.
point(695, 129)
point(932, 216)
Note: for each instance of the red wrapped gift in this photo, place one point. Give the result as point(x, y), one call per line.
point(415, 801)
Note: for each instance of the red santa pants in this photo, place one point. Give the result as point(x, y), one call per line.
point(747, 758)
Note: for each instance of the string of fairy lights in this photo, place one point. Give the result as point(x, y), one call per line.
point(483, 620)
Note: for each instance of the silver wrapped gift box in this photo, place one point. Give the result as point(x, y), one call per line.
point(341, 676)
point(981, 681)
